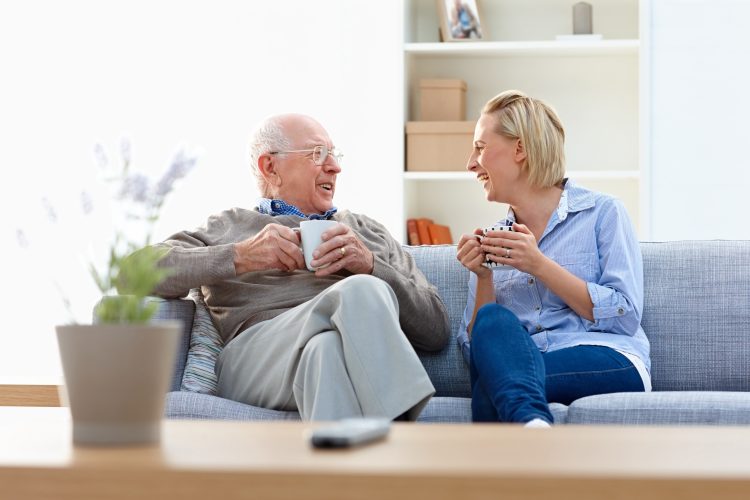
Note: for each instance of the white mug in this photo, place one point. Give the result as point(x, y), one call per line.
point(310, 231)
point(491, 263)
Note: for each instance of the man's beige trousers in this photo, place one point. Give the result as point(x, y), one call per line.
point(341, 354)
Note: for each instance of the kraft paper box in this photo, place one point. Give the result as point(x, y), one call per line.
point(438, 146)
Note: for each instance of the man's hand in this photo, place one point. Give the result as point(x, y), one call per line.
point(341, 249)
point(470, 254)
point(274, 247)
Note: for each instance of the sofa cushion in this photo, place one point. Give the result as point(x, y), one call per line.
point(696, 314)
point(662, 408)
point(448, 409)
point(697, 335)
point(193, 405)
point(447, 368)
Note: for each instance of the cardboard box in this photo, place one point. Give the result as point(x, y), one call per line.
point(438, 146)
point(442, 100)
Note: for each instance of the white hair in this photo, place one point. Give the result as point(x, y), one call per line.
point(267, 137)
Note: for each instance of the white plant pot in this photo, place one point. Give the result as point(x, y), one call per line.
point(116, 379)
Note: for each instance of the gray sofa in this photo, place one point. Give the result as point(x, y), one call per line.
point(696, 315)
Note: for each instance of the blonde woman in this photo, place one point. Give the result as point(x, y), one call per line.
point(557, 316)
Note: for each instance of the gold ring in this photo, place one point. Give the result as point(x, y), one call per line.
point(507, 253)
point(343, 251)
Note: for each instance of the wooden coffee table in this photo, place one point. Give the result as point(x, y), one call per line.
point(233, 460)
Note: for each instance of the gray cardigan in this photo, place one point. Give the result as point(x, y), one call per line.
point(205, 258)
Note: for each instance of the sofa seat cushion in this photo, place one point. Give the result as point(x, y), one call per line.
point(662, 408)
point(194, 405)
point(446, 410)
point(456, 410)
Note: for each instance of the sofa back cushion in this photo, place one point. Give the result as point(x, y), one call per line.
point(697, 314)
point(447, 369)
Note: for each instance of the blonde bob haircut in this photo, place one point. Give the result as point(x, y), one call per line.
point(539, 129)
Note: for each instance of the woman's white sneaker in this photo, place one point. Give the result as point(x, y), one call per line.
point(537, 423)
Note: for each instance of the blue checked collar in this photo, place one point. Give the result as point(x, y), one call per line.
point(271, 207)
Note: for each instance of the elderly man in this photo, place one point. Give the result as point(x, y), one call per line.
point(332, 343)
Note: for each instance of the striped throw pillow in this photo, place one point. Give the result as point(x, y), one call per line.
point(205, 346)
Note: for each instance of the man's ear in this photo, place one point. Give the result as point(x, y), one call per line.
point(520, 153)
point(267, 167)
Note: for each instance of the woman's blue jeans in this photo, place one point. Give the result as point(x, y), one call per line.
point(512, 381)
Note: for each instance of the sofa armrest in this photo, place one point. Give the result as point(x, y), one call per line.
point(181, 310)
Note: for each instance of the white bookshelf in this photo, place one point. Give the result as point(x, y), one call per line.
point(526, 48)
point(581, 175)
point(593, 85)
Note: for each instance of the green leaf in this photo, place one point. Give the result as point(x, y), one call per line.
point(134, 275)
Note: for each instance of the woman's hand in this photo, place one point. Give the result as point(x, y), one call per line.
point(517, 248)
point(470, 254)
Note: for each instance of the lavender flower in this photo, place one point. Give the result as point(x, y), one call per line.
point(134, 187)
point(181, 165)
point(87, 203)
point(131, 275)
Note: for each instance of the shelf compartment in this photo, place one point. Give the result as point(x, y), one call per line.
point(463, 205)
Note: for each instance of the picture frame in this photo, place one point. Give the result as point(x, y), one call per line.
point(460, 21)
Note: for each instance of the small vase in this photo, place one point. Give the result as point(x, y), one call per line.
point(116, 379)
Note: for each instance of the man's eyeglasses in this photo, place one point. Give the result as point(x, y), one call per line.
point(319, 154)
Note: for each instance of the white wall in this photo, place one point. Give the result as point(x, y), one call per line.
point(167, 74)
point(698, 120)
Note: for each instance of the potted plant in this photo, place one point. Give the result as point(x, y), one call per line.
point(118, 369)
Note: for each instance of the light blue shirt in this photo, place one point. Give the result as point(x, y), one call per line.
point(590, 235)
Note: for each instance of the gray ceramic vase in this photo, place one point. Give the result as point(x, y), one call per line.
point(116, 379)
